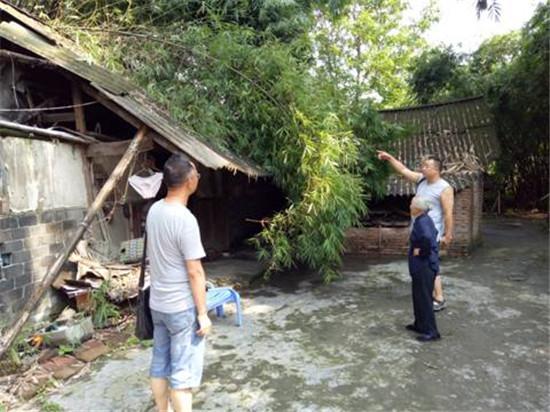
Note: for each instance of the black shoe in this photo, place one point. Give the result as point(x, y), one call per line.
point(428, 338)
point(412, 327)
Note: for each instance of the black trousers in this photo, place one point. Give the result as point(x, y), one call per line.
point(422, 289)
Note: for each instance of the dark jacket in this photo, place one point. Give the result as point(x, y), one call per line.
point(424, 237)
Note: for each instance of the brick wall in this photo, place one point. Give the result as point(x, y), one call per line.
point(477, 210)
point(377, 240)
point(29, 243)
point(463, 222)
point(393, 240)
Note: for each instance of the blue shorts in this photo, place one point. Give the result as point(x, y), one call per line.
point(178, 352)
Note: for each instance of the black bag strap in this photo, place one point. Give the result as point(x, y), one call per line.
point(143, 258)
point(420, 181)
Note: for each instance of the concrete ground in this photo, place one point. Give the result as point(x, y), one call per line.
point(306, 346)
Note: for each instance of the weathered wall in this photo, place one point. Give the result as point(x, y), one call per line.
point(44, 189)
point(42, 175)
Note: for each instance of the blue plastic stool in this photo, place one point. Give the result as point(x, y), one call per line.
point(216, 297)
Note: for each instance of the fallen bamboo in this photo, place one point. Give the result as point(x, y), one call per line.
point(51, 275)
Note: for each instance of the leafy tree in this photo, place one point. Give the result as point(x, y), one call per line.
point(367, 48)
point(434, 74)
point(241, 74)
point(512, 72)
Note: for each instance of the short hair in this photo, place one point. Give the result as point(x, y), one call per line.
point(437, 161)
point(421, 203)
point(176, 170)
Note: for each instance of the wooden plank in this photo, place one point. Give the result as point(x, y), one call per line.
point(116, 148)
point(13, 330)
point(80, 119)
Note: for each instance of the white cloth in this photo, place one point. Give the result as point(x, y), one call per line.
point(173, 237)
point(147, 187)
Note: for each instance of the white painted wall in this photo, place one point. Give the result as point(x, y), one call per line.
point(42, 175)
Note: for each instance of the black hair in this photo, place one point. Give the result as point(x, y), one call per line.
point(436, 160)
point(176, 170)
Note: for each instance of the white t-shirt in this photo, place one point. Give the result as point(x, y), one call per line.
point(432, 192)
point(173, 237)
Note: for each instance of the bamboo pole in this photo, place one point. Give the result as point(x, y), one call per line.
point(51, 275)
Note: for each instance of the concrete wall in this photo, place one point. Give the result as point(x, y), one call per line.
point(42, 175)
point(44, 199)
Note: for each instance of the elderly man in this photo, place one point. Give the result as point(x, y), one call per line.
point(431, 186)
point(423, 267)
point(178, 290)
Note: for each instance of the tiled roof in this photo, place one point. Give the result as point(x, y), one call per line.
point(459, 132)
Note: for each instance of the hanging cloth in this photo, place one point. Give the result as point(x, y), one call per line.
point(147, 187)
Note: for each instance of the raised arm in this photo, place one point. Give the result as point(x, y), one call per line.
point(399, 167)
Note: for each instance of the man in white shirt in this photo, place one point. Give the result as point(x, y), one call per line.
point(178, 290)
point(431, 186)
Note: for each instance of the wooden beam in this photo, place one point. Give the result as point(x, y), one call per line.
point(89, 90)
point(53, 272)
point(80, 119)
point(116, 148)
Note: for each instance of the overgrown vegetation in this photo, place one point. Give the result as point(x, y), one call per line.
point(103, 311)
point(512, 72)
point(291, 84)
point(241, 75)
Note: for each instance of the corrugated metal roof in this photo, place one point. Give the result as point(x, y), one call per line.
point(459, 132)
point(32, 35)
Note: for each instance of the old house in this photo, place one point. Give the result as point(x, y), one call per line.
point(461, 134)
point(64, 125)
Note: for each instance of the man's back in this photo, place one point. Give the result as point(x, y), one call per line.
point(172, 237)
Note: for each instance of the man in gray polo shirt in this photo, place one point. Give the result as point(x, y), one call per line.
point(178, 290)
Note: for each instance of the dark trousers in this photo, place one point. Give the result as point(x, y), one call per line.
point(422, 288)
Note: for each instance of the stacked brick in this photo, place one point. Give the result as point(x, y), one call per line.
point(29, 244)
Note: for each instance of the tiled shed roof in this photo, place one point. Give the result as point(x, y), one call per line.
point(459, 132)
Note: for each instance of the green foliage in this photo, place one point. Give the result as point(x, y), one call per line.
point(66, 349)
point(21, 346)
point(42, 399)
point(512, 72)
point(367, 48)
point(242, 73)
point(434, 74)
point(103, 311)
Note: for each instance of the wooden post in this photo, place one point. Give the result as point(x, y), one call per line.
point(79, 118)
point(51, 275)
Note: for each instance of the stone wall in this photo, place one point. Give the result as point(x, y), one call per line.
point(29, 244)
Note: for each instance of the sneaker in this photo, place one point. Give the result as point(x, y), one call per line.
point(439, 305)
